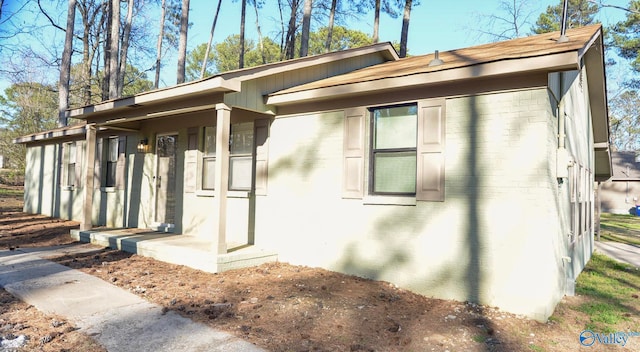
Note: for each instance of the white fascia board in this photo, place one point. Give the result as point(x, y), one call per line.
point(549, 63)
point(47, 135)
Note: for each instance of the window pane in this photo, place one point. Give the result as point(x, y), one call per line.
point(208, 173)
point(111, 174)
point(240, 173)
point(395, 127)
point(71, 174)
point(209, 141)
point(395, 172)
point(242, 138)
point(113, 150)
point(72, 153)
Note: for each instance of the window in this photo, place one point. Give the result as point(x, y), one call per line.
point(70, 164)
point(112, 162)
point(404, 156)
point(240, 156)
point(393, 150)
point(209, 158)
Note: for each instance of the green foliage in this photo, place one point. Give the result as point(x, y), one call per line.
point(625, 35)
point(341, 39)
point(193, 65)
point(224, 56)
point(25, 108)
point(135, 81)
point(624, 118)
point(580, 13)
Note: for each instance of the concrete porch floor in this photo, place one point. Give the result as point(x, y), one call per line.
point(184, 250)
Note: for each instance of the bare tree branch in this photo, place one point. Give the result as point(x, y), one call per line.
point(600, 4)
point(49, 18)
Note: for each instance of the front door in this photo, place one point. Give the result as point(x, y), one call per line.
point(166, 146)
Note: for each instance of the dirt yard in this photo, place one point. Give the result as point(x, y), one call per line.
point(279, 306)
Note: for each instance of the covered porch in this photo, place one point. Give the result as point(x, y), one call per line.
point(191, 251)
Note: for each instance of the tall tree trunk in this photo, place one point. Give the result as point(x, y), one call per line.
point(163, 14)
point(260, 41)
point(306, 27)
point(405, 28)
point(86, 63)
point(125, 47)
point(114, 48)
point(290, 40)
point(376, 22)
point(107, 52)
point(65, 66)
point(206, 52)
point(182, 47)
point(332, 16)
point(243, 16)
point(282, 32)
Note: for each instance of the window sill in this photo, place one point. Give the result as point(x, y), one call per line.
point(108, 189)
point(205, 193)
point(230, 194)
point(389, 200)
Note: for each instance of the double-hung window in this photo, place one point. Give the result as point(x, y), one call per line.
point(393, 150)
point(404, 156)
point(70, 167)
point(209, 158)
point(240, 157)
point(112, 162)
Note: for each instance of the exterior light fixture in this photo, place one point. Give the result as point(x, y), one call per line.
point(143, 146)
point(436, 60)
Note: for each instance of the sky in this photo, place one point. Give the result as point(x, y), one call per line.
point(435, 25)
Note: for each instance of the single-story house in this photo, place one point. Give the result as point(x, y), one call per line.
point(621, 193)
point(465, 175)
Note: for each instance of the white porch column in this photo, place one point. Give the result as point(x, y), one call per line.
point(89, 162)
point(223, 126)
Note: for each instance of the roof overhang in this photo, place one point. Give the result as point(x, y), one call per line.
point(59, 133)
point(215, 84)
point(554, 62)
point(593, 60)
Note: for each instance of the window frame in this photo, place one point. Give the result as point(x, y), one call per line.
point(240, 155)
point(206, 158)
point(373, 151)
point(70, 165)
point(111, 166)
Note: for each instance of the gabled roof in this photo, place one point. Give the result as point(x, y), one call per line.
point(538, 52)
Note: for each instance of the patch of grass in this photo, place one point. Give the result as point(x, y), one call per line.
point(602, 312)
point(10, 192)
point(536, 348)
point(610, 288)
point(555, 319)
point(621, 221)
point(479, 338)
point(620, 228)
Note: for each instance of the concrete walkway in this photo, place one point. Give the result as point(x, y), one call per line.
point(621, 252)
point(116, 318)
